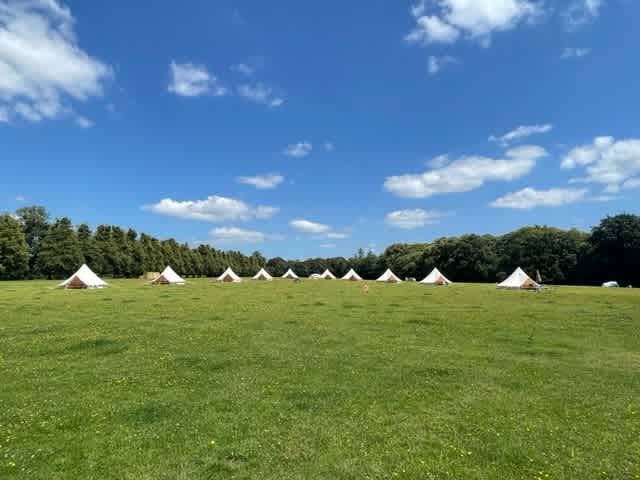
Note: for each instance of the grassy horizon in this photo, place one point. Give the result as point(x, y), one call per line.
point(317, 380)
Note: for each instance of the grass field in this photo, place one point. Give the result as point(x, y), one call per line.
point(317, 380)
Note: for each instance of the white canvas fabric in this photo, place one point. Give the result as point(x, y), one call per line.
point(262, 275)
point(290, 274)
point(436, 278)
point(229, 276)
point(352, 275)
point(327, 275)
point(611, 285)
point(83, 278)
point(315, 276)
point(388, 277)
point(169, 277)
point(519, 279)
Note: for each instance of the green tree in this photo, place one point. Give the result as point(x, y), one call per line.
point(107, 250)
point(151, 255)
point(120, 260)
point(35, 223)
point(135, 254)
point(615, 249)
point(88, 247)
point(60, 253)
point(14, 250)
point(552, 251)
point(277, 266)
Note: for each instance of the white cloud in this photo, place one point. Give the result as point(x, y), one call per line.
point(298, 150)
point(432, 30)
point(438, 63)
point(521, 132)
point(631, 184)
point(328, 245)
point(606, 161)
point(466, 173)
point(337, 235)
point(308, 226)
point(42, 67)
point(409, 219)
point(529, 198)
point(190, 80)
point(212, 209)
point(244, 69)
point(261, 94)
point(439, 161)
point(417, 9)
point(226, 235)
point(28, 112)
point(473, 19)
point(582, 12)
point(573, 52)
point(329, 146)
point(83, 122)
point(262, 182)
point(603, 198)
point(319, 230)
point(20, 198)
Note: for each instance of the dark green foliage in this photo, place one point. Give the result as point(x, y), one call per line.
point(90, 252)
point(615, 249)
point(277, 266)
point(14, 251)
point(60, 253)
point(554, 252)
point(35, 225)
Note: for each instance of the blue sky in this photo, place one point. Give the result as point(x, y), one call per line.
point(315, 128)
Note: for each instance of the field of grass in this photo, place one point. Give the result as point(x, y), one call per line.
point(317, 380)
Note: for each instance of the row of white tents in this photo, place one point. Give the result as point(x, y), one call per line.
point(85, 278)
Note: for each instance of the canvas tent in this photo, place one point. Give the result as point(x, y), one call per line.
point(315, 276)
point(436, 278)
point(519, 279)
point(388, 277)
point(352, 276)
point(262, 275)
point(168, 277)
point(290, 274)
point(327, 275)
point(611, 285)
point(229, 276)
point(83, 278)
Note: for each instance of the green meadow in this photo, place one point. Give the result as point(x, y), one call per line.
point(318, 380)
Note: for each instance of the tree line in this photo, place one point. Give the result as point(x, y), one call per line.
point(32, 246)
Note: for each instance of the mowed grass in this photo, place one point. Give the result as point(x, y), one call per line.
point(317, 380)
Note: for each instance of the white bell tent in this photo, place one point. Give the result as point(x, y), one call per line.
point(388, 277)
point(436, 278)
point(519, 280)
point(83, 278)
point(327, 275)
point(352, 275)
point(263, 275)
point(229, 276)
point(168, 277)
point(290, 274)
